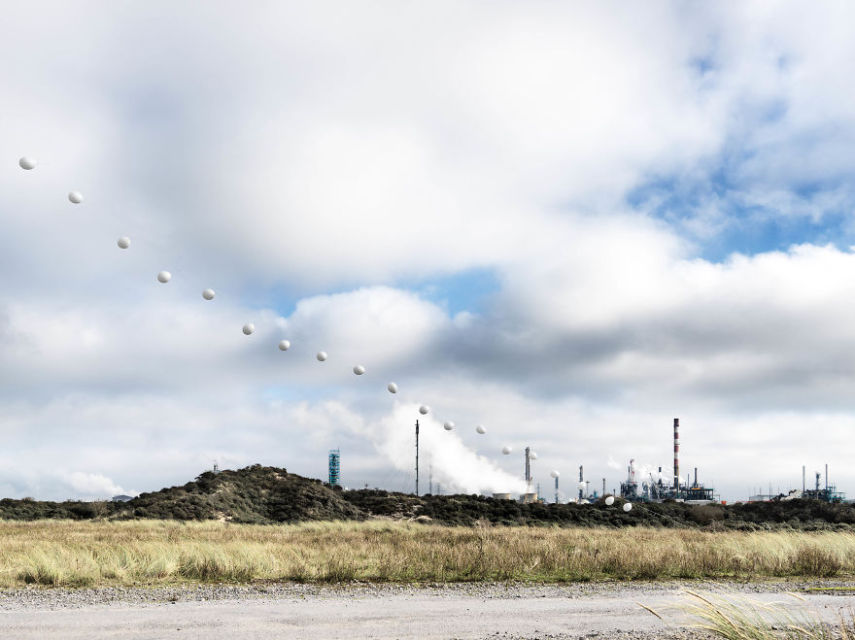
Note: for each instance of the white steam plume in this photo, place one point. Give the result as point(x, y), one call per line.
point(454, 464)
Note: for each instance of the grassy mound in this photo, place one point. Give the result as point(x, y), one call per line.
point(264, 495)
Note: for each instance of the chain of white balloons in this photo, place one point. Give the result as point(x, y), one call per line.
point(76, 197)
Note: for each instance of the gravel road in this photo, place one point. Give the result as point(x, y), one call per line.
point(503, 612)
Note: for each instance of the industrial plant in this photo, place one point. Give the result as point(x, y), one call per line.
point(641, 484)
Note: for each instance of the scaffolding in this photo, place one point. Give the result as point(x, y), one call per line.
point(334, 467)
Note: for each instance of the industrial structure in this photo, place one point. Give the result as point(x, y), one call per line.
point(334, 467)
point(650, 489)
point(826, 493)
point(417, 457)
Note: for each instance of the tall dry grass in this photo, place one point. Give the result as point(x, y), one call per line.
point(737, 617)
point(66, 553)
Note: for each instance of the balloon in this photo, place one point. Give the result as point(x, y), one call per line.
point(208, 294)
point(480, 429)
point(164, 277)
point(284, 345)
point(532, 456)
point(322, 355)
point(75, 196)
point(448, 426)
point(27, 163)
point(506, 450)
point(554, 473)
point(359, 369)
point(392, 387)
point(610, 500)
point(627, 507)
point(248, 328)
point(424, 410)
point(124, 242)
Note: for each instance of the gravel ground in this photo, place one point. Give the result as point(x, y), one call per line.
point(58, 598)
point(472, 611)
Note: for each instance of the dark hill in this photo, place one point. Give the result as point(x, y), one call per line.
point(265, 495)
point(255, 494)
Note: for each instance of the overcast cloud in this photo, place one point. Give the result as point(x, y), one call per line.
point(570, 223)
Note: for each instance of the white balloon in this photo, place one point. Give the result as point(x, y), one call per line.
point(610, 500)
point(208, 294)
point(75, 196)
point(359, 369)
point(480, 429)
point(424, 410)
point(554, 473)
point(284, 345)
point(506, 450)
point(248, 328)
point(124, 242)
point(164, 277)
point(27, 163)
point(322, 355)
point(392, 387)
point(627, 507)
point(448, 426)
point(532, 456)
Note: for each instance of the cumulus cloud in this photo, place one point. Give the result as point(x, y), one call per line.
point(616, 172)
point(93, 484)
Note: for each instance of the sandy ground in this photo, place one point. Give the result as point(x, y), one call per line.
point(379, 612)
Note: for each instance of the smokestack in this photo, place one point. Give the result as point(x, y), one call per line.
point(528, 469)
point(676, 454)
point(417, 457)
point(696, 477)
point(803, 481)
point(580, 481)
point(556, 489)
point(604, 486)
point(826, 480)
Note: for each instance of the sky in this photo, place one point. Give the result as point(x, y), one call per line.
point(568, 222)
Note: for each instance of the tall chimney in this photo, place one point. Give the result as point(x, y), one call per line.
point(826, 481)
point(580, 484)
point(696, 477)
point(604, 486)
point(803, 481)
point(677, 454)
point(528, 469)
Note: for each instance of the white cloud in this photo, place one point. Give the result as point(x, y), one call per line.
point(322, 157)
point(93, 484)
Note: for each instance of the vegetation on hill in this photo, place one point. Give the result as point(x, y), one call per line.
point(264, 495)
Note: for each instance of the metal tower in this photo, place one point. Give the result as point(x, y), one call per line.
point(334, 467)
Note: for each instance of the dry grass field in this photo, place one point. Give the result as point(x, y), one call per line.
point(155, 552)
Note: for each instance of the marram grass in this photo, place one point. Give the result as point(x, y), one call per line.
point(736, 617)
point(155, 552)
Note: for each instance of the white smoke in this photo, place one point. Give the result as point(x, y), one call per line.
point(94, 485)
point(614, 464)
point(455, 465)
